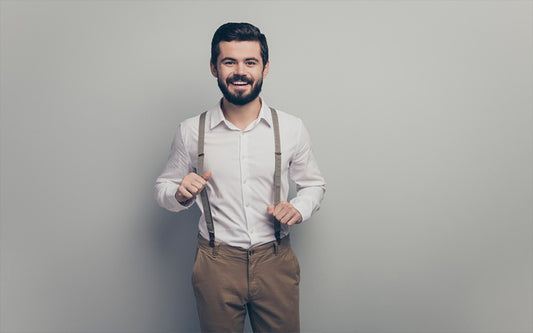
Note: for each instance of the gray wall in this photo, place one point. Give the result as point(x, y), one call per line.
point(421, 118)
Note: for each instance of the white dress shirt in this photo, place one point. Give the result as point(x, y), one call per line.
point(242, 183)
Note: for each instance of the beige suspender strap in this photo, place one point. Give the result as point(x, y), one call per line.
point(277, 171)
point(200, 171)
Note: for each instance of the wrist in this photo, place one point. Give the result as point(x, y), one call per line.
point(181, 199)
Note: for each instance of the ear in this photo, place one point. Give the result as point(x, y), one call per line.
point(213, 69)
point(265, 70)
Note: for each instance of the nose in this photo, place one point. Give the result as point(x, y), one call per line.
point(240, 68)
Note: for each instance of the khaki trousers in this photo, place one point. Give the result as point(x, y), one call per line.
point(264, 280)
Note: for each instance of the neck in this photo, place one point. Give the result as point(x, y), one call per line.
point(241, 115)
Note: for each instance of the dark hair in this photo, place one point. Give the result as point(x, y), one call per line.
point(238, 32)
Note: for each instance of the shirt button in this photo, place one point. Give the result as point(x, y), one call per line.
point(244, 181)
point(247, 205)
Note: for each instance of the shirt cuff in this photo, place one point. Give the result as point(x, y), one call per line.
point(170, 200)
point(304, 209)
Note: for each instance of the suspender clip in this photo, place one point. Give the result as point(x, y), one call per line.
point(278, 238)
point(212, 239)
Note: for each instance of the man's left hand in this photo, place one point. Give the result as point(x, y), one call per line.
point(285, 213)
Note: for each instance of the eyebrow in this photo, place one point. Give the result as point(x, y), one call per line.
point(233, 59)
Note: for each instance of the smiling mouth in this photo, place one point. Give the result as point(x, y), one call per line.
point(239, 83)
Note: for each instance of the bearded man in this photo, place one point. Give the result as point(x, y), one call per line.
point(235, 161)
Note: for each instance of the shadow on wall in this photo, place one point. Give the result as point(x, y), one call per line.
point(175, 237)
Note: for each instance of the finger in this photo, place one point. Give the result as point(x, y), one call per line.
point(199, 185)
point(280, 207)
point(207, 175)
point(193, 189)
point(296, 218)
point(283, 215)
point(192, 178)
point(270, 209)
point(287, 217)
point(183, 195)
point(287, 214)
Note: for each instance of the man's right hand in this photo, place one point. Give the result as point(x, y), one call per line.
point(190, 186)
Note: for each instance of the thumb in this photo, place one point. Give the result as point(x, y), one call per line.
point(270, 209)
point(207, 175)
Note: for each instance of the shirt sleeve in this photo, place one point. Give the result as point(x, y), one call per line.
point(304, 171)
point(178, 166)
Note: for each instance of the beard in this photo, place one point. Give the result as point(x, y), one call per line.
point(240, 97)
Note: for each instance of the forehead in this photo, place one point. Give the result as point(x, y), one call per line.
point(239, 50)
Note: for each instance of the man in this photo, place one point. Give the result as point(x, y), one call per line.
point(238, 157)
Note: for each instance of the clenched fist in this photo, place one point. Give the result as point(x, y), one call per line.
point(190, 186)
point(285, 213)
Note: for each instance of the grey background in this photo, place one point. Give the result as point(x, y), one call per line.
point(421, 119)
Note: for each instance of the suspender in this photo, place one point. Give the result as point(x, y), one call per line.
point(277, 176)
point(200, 172)
point(277, 172)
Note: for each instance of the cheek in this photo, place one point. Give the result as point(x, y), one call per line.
point(260, 74)
point(223, 75)
point(258, 78)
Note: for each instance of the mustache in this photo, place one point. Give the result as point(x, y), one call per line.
point(237, 77)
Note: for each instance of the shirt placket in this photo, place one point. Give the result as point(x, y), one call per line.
point(245, 183)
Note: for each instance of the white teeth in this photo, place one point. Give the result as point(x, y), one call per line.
point(240, 83)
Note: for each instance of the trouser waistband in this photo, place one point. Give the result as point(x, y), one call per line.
point(236, 251)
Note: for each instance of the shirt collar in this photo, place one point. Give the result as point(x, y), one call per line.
point(217, 116)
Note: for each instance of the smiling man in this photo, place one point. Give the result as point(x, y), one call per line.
point(235, 160)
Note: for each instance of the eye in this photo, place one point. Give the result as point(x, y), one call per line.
point(228, 62)
point(251, 63)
